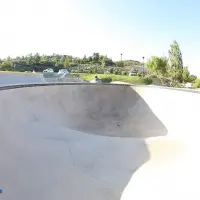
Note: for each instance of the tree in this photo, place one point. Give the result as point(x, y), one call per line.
point(186, 75)
point(124, 73)
point(120, 64)
point(139, 73)
point(67, 62)
point(95, 58)
point(103, 64)
point(197, 83)
point(111, 70)
point(36, 58)
point(43, 59)
point(158, 66)
point(7, 64)
point(84, 60)
point(175, 62)
point(109, 61)
point(192, 78)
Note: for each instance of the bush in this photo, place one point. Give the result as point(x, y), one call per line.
point(152, 76)
point(111, 70)
point(106, 80)
point(90, 71)
point(177, 85)
point(192, 78)
point(147, 81)
point(116, 72)
point(75, 76)
point(73, 71)
point(120, 64)
point(139, 73)
point(165, 81)
point(124, 73)
point(197, 83)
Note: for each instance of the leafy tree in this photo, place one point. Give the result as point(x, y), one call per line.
point(62, 60)
point(139, 73)
point(111, 70)
point(124, 73)
point(84, 60)
point(197, 83)
point(43, 59)
point(157, 65)
point(101, 57)
point(175, 62)
point(132, 63)
point(192, 78)
point(36, 58)
point(146, 80)
point(120, 64)
point(109, 62)
point(95, 58)
point(103, 64)
point(7, 64)
point(67, 62)
point(186, 75)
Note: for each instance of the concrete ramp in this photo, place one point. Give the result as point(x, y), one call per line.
point(98, 142)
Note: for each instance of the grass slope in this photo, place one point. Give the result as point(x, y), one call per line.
point(106, 78)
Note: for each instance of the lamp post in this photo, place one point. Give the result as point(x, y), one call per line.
point(143, 64)
point(121, 56)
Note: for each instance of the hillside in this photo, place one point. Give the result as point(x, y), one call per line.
point(91, 64)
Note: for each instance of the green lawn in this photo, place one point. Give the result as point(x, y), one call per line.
point(106, 78)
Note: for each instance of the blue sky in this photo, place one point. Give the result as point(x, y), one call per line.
point(135, 28)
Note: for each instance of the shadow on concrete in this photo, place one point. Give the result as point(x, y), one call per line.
point(116, 111)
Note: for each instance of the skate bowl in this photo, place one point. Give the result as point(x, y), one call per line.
point(81, 141)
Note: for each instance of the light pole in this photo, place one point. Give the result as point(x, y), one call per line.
point(121, 56)
point(143, 64)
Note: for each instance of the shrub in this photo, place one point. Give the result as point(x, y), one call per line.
point(115, 72)
point(90, 71)
point(177, 85)
point(100, 72)
point(106, 80)
point(124, 73)
point(73, 71)
point(165, 81)
point(152, 76)
point(197, 83)
point(192, 78)
point(111, 70)
point(120, 64)
point(146, 81)
point(139, 73)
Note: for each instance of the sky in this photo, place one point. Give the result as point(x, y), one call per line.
point(135, 28)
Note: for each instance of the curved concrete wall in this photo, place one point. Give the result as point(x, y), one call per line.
point(177, 109)
point(136, 111)
point(77, 141)
point(108, 110)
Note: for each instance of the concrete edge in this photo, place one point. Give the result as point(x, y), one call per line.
point(15, 86)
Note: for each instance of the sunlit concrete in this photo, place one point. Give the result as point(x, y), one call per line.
point(93, 142)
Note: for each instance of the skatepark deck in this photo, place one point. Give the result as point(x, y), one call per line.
point(98, 142)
